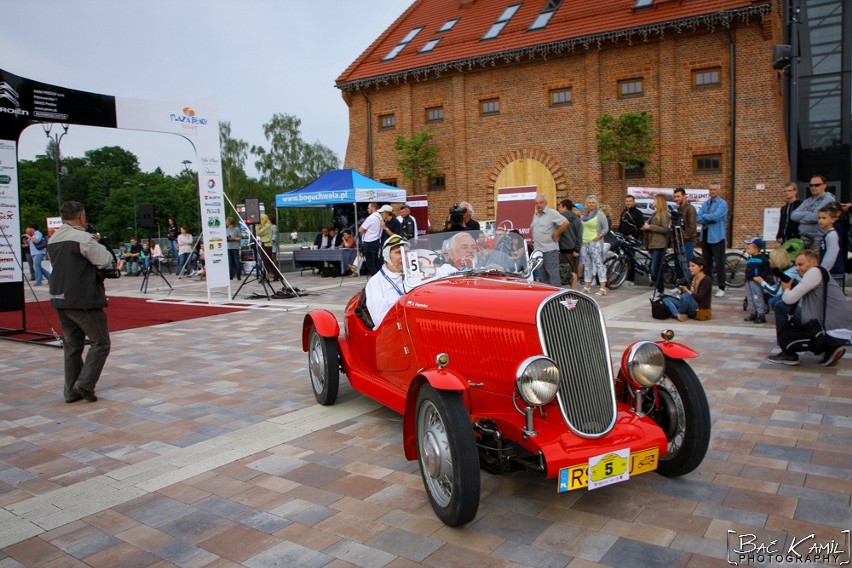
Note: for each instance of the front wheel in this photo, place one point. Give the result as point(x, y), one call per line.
point(681, 410)
point(449, 463)
point(735, 269)
point(324, 367)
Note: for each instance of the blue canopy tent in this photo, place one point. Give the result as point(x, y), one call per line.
point(340, 187)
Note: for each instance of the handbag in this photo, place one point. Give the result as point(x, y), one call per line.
point(42, 244)
point(703, 314)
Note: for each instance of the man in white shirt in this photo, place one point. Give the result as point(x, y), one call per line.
point(371, 234)
point(385, 287)
point(545, 228)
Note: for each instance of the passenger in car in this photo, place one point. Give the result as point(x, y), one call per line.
point(461, 252)
point(385, 287)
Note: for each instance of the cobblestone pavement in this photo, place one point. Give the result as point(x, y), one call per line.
point(206, 448)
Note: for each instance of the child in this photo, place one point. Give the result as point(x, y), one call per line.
point(830, 248)
point(783, 271)
point(756, 265)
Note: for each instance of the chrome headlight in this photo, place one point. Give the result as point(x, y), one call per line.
point(537, 380)
point(646, 363)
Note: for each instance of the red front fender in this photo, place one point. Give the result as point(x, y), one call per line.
point(674, 350)
point(440, 379)
point(324, 321)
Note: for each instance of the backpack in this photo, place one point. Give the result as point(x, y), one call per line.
point(793, 248)
point(659, 310)
point(42, 244)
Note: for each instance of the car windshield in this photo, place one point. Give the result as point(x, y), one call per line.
point(440, 255)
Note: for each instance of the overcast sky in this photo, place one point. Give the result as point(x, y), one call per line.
point(255, 57)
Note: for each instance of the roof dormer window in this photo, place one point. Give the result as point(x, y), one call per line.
point(401, 45)
point(643, 4)
point(501, 22)
point(448, 25)
point(430, 45)
point(546, 13)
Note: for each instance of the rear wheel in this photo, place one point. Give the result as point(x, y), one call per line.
point(735, 269)
point(681, 410)
point(324, 367)
point(449, 463)
point(616, 271)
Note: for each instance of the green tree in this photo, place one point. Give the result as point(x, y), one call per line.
point(290, 162)
point(626, 140)
point(234, 155)
point(418, 157)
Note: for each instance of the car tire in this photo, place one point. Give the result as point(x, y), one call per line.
point(324, 367)
point(682, 412)
point(446, 449)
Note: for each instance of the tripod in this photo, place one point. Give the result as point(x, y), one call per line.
point(258, 272)
point(681, 266)
point(153, 266)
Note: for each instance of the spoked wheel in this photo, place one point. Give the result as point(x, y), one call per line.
point(324, 367)
point(449, 463)
point(682, 412)
point(616, 272)
point(735, 269)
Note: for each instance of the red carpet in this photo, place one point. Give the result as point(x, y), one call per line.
point(122, 313)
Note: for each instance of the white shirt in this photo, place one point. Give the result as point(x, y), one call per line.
point(383, 290)
point(372, 226)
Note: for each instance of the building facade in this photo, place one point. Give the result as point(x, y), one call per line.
point(516, 107)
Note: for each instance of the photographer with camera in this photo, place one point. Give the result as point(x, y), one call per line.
point(80, 264)
point(687, 220)
point(461, 218)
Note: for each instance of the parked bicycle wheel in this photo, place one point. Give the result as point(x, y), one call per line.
point(735, 269)
point(616, 271)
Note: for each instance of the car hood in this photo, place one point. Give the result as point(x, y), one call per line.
point(507, 299)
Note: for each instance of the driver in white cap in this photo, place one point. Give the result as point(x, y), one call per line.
point(385, 287)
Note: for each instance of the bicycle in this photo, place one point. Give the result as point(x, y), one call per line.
point(735, 269)
point(618, 263)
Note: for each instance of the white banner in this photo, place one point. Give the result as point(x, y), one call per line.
point(197, 121)
point(10, 217)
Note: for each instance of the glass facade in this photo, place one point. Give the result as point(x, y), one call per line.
point(825, 92)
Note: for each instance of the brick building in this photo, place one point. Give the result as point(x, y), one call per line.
point(511, 90)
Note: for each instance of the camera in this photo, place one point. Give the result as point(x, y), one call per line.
point(677, 218)
point(109, 273)
point(455, 222)
point(683, 282)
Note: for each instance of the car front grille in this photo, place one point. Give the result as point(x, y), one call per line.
point(573, 334)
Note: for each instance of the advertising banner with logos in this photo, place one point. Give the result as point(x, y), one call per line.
point(24, 102)
point(515, 208)
point(419, 205)
point(647, 194)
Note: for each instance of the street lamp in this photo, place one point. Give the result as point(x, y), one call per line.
point(56, 138)
point(135, 215)
point(186, 164)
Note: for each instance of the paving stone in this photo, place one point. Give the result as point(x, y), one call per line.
point(184, 554)
point(406, 544)
point(358, 554)
point(624, 552)
point(531, 556)
point(288, 554)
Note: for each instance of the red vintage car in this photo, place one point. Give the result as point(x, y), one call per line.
point(491, 370)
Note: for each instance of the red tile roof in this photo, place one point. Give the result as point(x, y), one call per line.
point(576, 23)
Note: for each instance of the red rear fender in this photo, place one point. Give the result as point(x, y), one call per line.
point(324, 321)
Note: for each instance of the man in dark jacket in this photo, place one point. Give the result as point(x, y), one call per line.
point(77, 292)
point(571, 239)
point(630, 225)
point(787, 228)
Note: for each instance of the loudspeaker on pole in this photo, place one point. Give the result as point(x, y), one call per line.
point(146, 215)
point(252, 210)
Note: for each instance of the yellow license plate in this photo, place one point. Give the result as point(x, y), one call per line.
point(608, 468)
